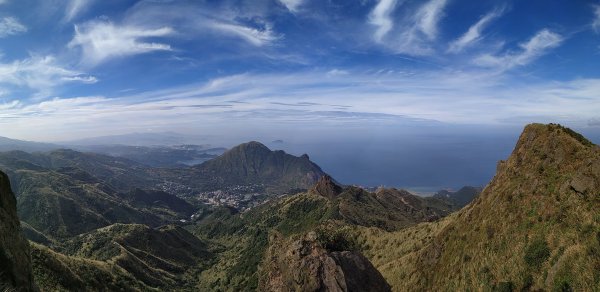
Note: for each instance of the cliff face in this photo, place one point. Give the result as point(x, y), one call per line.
point(15, 259)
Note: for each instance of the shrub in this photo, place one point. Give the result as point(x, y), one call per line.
point(537, 253)
point(336, 239)
point(562, 284)
point(504, 287)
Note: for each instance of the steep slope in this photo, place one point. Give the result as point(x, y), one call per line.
point(59, 206)
point(459, 198)
point(535, 226)
point(165, 257)
point(15, 259)
point(57, 272)
point(254, 164)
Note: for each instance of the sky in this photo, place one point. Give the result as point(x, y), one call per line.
point(297, 70)
point(75, 68)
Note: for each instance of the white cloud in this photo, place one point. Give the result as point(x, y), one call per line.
point(253, 36)
point(596, 22)
point(306, 99)
point(537, 46)
point(292, 5)
point(380, 17)
point(428, 17)
point(39, 74)
point(473, 35)
point(101, 41)
point(417, 31)
point(11, 26)
point(75, 7)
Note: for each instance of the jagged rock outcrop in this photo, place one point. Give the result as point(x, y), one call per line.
point(326, 187)
point(15, 258)
point(305, 265)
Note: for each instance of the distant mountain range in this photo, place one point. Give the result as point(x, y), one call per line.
point(136, 139)
point(7, 144)
point(158, 156)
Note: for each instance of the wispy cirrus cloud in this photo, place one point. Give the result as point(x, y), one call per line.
point(428, 17)
point(380, 17)
point(596, 22)
point(529, 51)
point(292, 5)
point(417, 31)
point(11, 26)
point(101, 41)
point(254, 36)
point(76, 7)
point(473, 34)
point(39, 73)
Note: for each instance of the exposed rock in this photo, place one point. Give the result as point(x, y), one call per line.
point(326, 187)
point(15, 258)
point(582, 184)
point(306, 266)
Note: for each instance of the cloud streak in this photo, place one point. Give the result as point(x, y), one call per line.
point(380, 17)
point(596, 22)
point(428, 17)
point(534, 48)
point(314, 98)
point(75, 7)
point(473, 34)
point(11, 26)
point(416, 32)
point(39, 73)
point(292, 5)
point(253, 36)
point(102, 41)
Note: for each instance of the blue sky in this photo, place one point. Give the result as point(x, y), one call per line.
point(74, 68)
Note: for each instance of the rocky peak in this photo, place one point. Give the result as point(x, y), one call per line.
point(326, 187)
point(304, 265)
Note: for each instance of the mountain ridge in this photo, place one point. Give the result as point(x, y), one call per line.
point(535, 226)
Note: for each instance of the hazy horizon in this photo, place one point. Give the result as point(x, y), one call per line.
point(420, 161)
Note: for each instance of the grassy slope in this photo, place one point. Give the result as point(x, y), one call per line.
point(57, 272)
point(165, 257)
point(536, 226)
